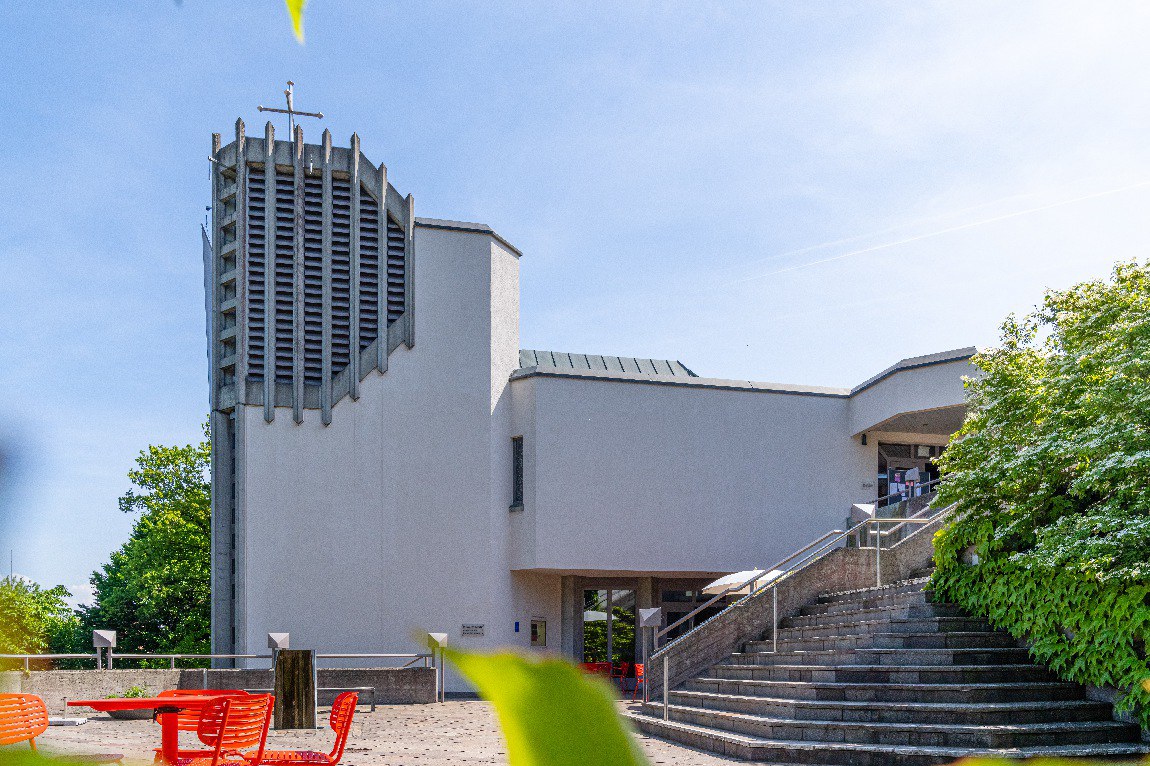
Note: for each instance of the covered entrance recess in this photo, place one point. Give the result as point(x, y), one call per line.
point(601, 614)
point(609, 623)
point(904, 467)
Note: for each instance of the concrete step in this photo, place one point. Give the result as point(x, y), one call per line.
point(884, 674)
point(998, 736)
point(897, 611)
point(887, 640)
point(843, 754)
point(984, 713)
point(894, 691)
point(893, 657)
point(897, 589)
point(954, 624)
point(913, 598)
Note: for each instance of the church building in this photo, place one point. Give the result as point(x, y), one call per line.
point(386, 458)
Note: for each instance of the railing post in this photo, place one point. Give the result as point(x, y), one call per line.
point(775, 620)
point(27, 665)
point(666, 686)
point(109, 658)
point(173, 663)
point(878, 554)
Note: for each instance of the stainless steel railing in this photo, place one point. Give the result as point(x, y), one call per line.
point(27, 658)
point(808, 554)
point(917, 490)
point(99, 657)
point(751, 584)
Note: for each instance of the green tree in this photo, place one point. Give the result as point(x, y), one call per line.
point(155, 590)
point(34, 619)
point(1050, 475)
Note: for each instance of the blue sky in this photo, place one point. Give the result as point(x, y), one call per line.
point(801, 192)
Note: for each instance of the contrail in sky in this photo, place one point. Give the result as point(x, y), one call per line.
point(938, 233)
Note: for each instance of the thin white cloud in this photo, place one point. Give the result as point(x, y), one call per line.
point(937, 233)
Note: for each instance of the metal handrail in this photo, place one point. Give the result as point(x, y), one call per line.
point(908, 520)
point(172, 657)
point(774, 582)
point(27, 658)
point(659, 634)
point(919, 487)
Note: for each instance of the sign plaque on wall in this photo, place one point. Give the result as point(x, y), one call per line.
point(472, 630)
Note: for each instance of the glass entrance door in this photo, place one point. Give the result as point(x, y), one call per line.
point(609, 625)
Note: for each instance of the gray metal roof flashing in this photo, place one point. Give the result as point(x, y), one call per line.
point(597, 363)
point(544, 367)
point(474, 228)
point(914, 362)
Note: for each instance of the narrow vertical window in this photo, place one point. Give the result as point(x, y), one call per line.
point(517, 472)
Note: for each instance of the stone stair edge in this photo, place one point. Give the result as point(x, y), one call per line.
point(1010, 728)
point(861, 684)
point(890, 705)
point(907, 586)
point(901, 668)
point(949, 753)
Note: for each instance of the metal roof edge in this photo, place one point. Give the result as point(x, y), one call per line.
point(915, 362)
point(679, 380)
point(466, 226)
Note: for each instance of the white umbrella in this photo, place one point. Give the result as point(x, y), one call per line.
point(738, 578)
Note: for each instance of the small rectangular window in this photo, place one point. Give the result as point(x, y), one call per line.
point(517, 471)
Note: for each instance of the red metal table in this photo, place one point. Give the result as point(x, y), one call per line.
point(166, 709)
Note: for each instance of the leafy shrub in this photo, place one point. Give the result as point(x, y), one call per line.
point(1051, 477)
point(34, 620)
point(132, 692)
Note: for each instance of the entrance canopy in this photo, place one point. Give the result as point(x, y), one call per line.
point(738, 578)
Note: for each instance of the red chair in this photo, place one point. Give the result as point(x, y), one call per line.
point(230, 724)
point(597, 668)
point(23, 717)
point(640, 678)
point(189, 720)
point(342, 711)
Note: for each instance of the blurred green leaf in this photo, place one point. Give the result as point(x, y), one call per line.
point(295, 10)
point(552, 714)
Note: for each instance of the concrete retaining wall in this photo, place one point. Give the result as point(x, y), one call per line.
point(393, 686)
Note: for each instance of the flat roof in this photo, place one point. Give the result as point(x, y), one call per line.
point(544, 366)
point(563, 360)
point(475, 228)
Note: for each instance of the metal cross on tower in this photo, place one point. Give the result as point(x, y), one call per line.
point(291, 111)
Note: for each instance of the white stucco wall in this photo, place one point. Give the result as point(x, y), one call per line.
point(676, 479)
point(919, 388)
point(394, 517)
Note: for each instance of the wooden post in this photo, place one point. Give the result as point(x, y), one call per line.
point(295, 689)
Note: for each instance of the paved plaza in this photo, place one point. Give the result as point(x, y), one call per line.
point(455, 732)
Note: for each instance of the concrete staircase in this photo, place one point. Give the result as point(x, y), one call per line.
point(885, 676)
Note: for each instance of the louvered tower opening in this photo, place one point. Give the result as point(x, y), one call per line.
point(396, 270)
point(340, 274)
point(313, 281)
point(285, 274)
point(256, 272)
point(291, 287)
point(368, 269)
